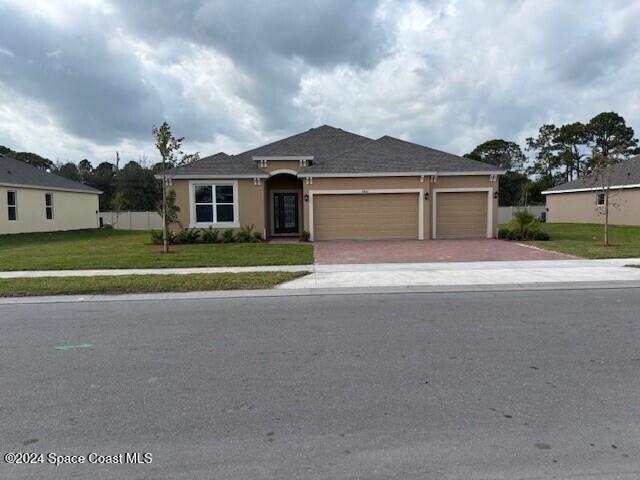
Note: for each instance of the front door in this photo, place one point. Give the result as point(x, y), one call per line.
point(285, 213)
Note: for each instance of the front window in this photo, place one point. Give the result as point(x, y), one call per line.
point(48, 205)
point(12, 205)
point(600, 199)
point(214, 203)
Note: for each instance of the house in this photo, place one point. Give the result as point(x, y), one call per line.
point(338, 185)
point(33, 200)
point(582, 200)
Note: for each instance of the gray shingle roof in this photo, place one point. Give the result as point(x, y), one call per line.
point(626, 172)
point(336, 151)
point(16, 172)
point(388, 154)
point(218, 164)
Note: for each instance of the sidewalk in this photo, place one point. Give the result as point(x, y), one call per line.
point(467, 273)
point(152, 271)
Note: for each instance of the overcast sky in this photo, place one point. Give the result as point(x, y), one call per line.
point(87, 78)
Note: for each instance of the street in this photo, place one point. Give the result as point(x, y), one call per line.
point(485, 385)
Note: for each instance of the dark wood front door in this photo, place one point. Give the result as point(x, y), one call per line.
point(285, 213)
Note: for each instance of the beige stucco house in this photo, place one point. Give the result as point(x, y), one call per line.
point(32, 200)
point(338, 185)
point(582, 200)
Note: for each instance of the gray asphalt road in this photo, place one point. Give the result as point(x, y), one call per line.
point(414, 386)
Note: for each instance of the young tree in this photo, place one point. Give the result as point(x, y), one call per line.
point(171, 155)
point(611, 142)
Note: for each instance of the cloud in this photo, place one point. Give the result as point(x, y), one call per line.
point(88, 77)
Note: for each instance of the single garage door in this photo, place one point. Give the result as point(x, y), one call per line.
point(461, 215)
point(365, 216)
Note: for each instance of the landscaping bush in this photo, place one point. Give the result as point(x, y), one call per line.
point(525, 224)
point(107, 226)
point(541, 236)
point(187, 235)
point(514, 235)
point(210, 235)
point(257, 236)
point(306, 236)
point(156, 237)
point(247, 235)
point(228, 236)
point(503, 233)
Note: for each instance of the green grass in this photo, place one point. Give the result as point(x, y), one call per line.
point(585, 240)
point(21, 287)
point(91, 249)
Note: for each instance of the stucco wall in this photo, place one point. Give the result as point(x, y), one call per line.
point(253, 199)
point(250, 202)
point(71, 211)
point(580, 207)
point(369, 183)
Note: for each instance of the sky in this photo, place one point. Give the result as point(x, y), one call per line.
point(87, 78)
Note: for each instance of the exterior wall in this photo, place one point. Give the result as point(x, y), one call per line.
point(71, 211)
point(254, 201)
point(251, 199)
point(580, 207)
point(369, 183)
point(282, 165)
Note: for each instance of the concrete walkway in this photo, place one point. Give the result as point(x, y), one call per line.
point(467, 273)
point(152, 271)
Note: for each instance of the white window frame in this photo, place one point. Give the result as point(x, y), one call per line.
point(14, 205)
point(598, 204)
point(213, 183)
point(365, 191)
point(434, 206)
point(46, 206)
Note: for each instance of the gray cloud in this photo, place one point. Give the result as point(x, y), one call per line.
point(230, 75)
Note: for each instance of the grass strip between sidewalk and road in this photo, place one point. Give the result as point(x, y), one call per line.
point(23, 287)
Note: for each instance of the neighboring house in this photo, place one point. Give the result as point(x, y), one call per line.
point(582, 200)
point(338, 185)
point(32, 200)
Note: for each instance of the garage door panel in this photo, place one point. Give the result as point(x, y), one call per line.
point(461, 215)
point(365, 216)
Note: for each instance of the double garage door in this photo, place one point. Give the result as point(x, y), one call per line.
point(396, 216)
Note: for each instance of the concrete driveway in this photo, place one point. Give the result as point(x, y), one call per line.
point(417, 251)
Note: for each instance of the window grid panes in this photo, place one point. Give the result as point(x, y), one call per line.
point(12, 205)
point(48, 205)
point(600, 199)
point(214, 203)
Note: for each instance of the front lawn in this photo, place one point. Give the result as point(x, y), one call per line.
point(585, 240)
point(92, 249)
point(21, 287)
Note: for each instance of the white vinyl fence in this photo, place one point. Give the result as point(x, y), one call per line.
point(505, 214)
point(125, 220)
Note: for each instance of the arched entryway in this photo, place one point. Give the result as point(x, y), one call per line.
point(284, 205)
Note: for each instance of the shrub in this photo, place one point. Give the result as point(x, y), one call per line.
point(541, 236)
point(187, 235)
point(246, 234)
point(228, 236)
point(210, 235)
point(306, 236)
point(156, 237)
point(503, 233)
point(107, 226)
point(257, 236)
point(514, 235)
point(525, 224)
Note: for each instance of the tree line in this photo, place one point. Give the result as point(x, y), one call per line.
point(557, 154)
